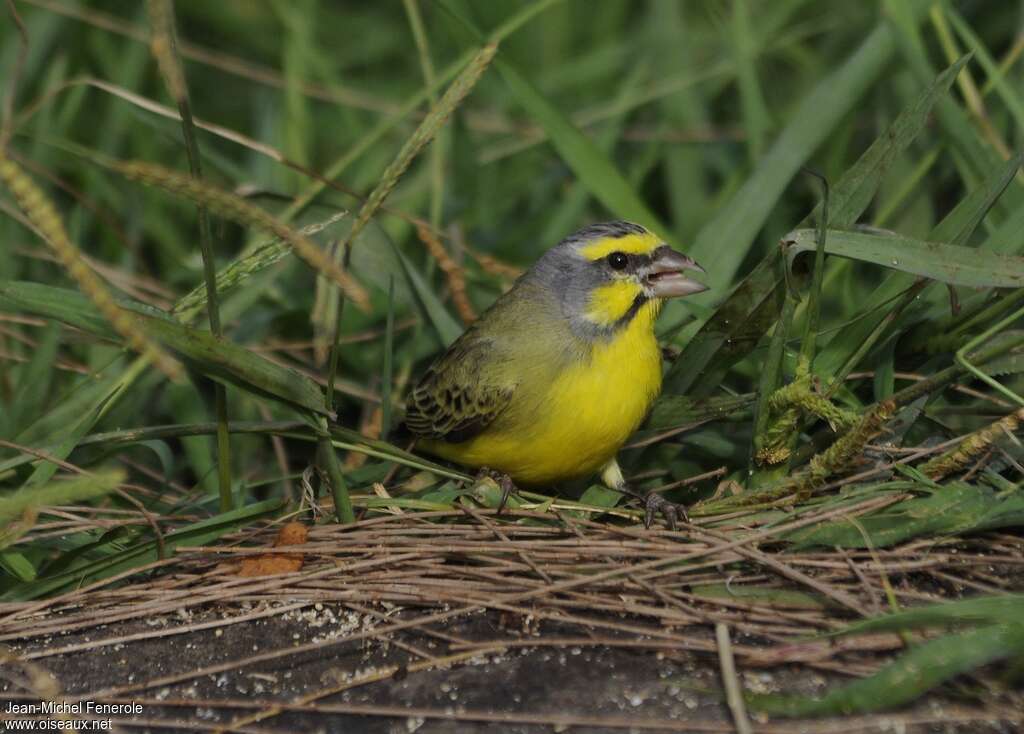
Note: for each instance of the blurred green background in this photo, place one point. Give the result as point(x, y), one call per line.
point(696, 117)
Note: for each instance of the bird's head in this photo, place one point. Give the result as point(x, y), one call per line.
point(605, 273)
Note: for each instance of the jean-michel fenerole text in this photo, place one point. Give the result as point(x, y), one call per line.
point(87, 708)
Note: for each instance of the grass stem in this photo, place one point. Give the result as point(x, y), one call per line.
point(165, 48)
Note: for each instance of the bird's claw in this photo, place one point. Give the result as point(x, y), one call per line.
point(507, 488)
point(654, 503)
point(504, 482)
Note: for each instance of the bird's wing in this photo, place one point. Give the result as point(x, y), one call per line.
point(460, 394)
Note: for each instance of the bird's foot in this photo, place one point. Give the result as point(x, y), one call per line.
point(654, 504)
point(504, 482)
point(673, 512)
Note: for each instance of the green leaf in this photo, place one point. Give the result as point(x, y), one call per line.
point(979, 611)
point(599, 495)
point(885, 372)
point(938, 261)
point(17, 566)
point(71, 404)
point(762, 597)
point(67, 306)
point(227, 361)
point(387, 365)
point(73, 417)
point(913, 674)
point(960, 223)
point(447, 328)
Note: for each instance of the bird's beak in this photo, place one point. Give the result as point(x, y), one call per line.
point(664, 276)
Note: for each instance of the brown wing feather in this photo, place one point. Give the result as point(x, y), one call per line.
point(454, 401)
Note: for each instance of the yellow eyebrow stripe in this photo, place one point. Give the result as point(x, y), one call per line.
point(633, 244)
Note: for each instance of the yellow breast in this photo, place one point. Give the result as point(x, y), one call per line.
point(585, 414)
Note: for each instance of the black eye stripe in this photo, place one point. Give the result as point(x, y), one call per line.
point(623, 261)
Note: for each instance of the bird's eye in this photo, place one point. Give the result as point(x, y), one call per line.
point(618, 260)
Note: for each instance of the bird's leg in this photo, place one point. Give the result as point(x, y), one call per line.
point(504, 482)
point(653, 502)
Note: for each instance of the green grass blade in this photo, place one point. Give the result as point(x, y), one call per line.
point(834, 361)
point(69, 405)
point(17, 565)
point(716, 343)
point(853, 193)
point(426, 131)
point(772, 372)
point(937, 261)
point(591, 166)
point(914, 673)
point(235, 364)
point(59, 492)
point(263, 256)
point(978, 611)
point(213, 357)
point(142, 553)
point(339, 487)
point(755, 109)
point(447, 328)
point(671, 411)
point(953, 508)
point(975, 158)
point(165, 48)
point(387, 368)
point(732, 332)
point(34, 383)
point(723, 243)
point(1011, 96)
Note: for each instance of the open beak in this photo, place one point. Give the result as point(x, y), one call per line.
point(665, 278)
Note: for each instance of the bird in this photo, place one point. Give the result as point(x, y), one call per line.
point(549, 382)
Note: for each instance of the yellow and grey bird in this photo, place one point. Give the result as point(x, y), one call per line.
point(548, 383)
